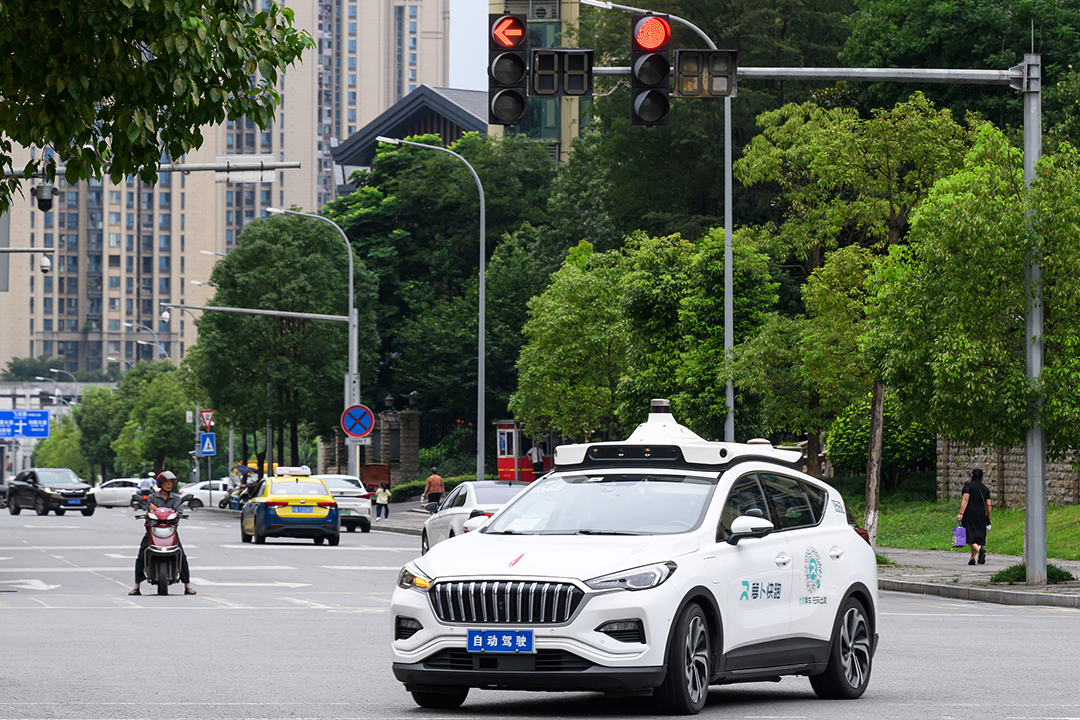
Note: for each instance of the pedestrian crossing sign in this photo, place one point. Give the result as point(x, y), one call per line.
point(207, 444)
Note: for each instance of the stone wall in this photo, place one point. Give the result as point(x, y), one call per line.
point(1004, 473)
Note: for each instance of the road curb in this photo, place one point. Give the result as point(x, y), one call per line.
point(399, 530)
point(990, 595)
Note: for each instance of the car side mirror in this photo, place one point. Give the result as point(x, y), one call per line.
point(749, 526)
point(432, 507)
point(476, 513)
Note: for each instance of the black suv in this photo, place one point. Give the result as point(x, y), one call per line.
point(45, 489)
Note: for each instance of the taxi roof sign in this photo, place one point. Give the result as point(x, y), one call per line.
point(293, 470)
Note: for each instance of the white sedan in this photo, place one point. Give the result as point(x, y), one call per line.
point(353, 499)
point(116, 493)
point(206, 493)
point(467, 500)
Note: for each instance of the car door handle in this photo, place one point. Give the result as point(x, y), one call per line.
point(783, 559)
point(836, 553)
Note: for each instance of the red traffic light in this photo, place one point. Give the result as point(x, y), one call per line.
point(652, 33)
point(508, 32)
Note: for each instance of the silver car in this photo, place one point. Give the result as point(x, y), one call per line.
point(467, 500)
point(117, 492)
point(353, 499)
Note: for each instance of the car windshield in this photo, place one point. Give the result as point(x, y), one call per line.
point(497, 495)
point(297, 487)
point(57, 476)
point(608, 504)
point(343, 483)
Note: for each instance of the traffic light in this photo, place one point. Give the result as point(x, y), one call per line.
point(508, 75)
point(555, 72)
point(650, 69)
point(706, 73)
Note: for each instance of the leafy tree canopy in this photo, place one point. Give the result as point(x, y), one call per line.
point(25, 369)
point(156, 432)
point(61, 449)
point(907, 445)
point(112, 86)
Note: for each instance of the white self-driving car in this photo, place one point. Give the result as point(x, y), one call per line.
point(655, 566)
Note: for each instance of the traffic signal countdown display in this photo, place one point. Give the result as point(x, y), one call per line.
point(508, 76)
point(650, 69)
point(557, 72)
point(705, 73)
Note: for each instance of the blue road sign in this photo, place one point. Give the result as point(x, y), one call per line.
point(24, 423)
point(357, 421)
point(207, 444)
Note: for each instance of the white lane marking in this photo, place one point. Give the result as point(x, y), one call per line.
point(306, 548)
point(29, 584)
point(204, 581)
point(361, 567)
point(229, 603)
point(118, 556)
point(52, 527)
point(125, 546)
point(5, 558)
point(310, 604)
point(128, 569)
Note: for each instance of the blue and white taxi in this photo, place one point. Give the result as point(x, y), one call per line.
point(657, 566)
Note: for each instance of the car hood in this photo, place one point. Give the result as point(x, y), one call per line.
point(562, 556)
point(66, 485)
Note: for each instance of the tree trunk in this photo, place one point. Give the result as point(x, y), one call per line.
point(281, 443)
point(813, 452)
point(294, 442)
point(243, 447)
point(873, 461)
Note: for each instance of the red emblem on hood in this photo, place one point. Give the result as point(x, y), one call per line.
point(515, 560)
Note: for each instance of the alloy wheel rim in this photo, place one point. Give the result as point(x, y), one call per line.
point(855, 648)
point(696, 660)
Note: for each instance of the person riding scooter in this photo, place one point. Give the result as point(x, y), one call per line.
point(164, 498)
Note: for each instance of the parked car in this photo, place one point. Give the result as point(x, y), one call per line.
point(354, 501)
point(468, 500)
point(291, 504)
point(116, 492)
point(45, 489)
point(207, 493)
point(659, 565)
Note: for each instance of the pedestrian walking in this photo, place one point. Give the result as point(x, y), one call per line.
point(382, 502)
point(974, 515)
point(433, 489)
point(536, 455)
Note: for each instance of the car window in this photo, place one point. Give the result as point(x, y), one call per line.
point(745, 495)
point(57, 476)
point(449, 499)
point(461, 499)
point(791, 508)
point(297, 487)
point(497, 494)
point(817, 496)
point(343, 483)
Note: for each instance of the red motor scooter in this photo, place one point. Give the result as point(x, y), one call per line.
point(163, 556)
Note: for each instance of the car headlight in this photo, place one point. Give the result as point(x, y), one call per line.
point(410, 578)
point(639, 578)
point(52, 491)
point(91, 491)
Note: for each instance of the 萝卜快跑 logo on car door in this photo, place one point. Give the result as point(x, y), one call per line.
point(812, 570)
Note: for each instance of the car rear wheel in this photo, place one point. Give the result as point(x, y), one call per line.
point(39, 506)
point(60, 513)
point(195, 503)
point(424, 545)
point(88, 511)
point(441, 700)
point(333, 540)
point(319, 540)
point(350, 528)
point(13, 506)
point(686, 685)
point(848, 671)
point(365, 526)
point(259, 537)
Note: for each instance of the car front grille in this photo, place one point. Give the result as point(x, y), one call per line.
point(542, 661)
point(498, 601)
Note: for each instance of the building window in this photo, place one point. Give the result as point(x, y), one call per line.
point(114, 304)
point(114, 283)
point(129, 285)
point(412, 28)
point(114, 197)
point(164, 221)
point(114, 240)
point(412, 43)
point(165, 200)
point(352, 28)
point(412, 12)
point(352, 80)
point(115, 218)
point(352, 46)
point(47, 305)
point(352, 11)
point(164, 286)
point(129, 309)
point(412, 58)
point(46, 326)
point(164, 242)
point(164, 264)
point(114, 325)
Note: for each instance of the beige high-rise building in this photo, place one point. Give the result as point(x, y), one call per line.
point(120, 250)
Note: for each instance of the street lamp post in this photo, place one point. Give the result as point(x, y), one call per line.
point(481, 428)
point(160, 349)
point(58, 397)
point(352, 380)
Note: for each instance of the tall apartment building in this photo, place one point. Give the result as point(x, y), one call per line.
point(119, 250)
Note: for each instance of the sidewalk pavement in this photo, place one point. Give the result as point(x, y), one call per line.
point(930, 572)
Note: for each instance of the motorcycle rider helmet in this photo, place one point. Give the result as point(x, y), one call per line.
point(166, 475)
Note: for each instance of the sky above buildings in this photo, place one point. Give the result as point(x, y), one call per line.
point(468, 44)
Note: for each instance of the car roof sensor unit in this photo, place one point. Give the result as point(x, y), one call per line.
point(661, 440)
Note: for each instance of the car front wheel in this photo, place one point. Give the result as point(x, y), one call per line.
point(686, 685)
point(424, 546)
point(441, 700)
point(88, 511)
point(848, 671)
point(195, 503)
point(13, 506)
point(39, 506)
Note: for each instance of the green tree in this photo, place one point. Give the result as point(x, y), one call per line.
point(111, 87)
point(61, 449)
point(578, 343)
point(156, 430)
point(906, 445)
point(98, 423)
point(25, 369)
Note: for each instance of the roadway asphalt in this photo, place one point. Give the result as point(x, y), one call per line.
point(930, 572)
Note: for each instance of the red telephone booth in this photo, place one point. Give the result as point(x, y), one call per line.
point(514, 464)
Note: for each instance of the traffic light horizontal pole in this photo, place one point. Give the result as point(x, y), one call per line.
point(252, 311)
point(968, 77)
point(225, 167)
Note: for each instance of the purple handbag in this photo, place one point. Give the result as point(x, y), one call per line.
point(959, 537)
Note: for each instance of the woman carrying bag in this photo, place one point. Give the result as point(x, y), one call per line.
point(974, 515)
